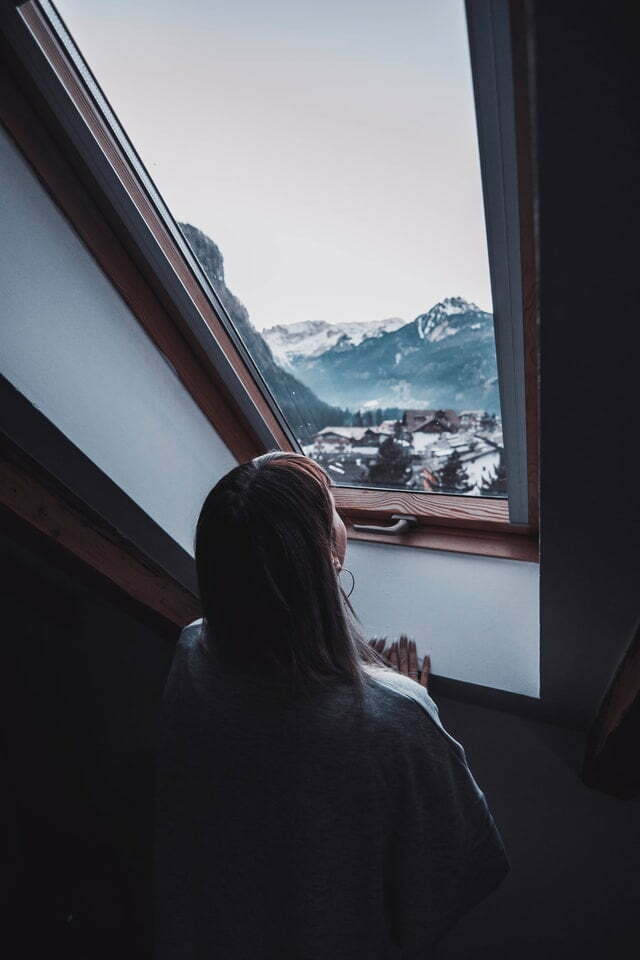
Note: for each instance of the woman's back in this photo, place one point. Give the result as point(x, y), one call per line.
point(314, 829)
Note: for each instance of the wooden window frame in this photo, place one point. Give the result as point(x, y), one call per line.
point(67, 132)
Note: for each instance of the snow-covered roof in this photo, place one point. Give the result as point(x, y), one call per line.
point(349, 433)
point(387, 426)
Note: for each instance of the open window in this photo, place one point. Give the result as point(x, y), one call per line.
point(334, 214)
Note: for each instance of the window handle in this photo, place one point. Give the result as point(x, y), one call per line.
point(403, 524)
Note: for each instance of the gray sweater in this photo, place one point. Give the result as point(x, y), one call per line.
point(292, 830)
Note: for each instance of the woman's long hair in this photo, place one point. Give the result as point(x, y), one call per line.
point(271, 598)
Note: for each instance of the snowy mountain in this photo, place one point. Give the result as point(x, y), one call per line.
point(444, 319)
point(444, 358)
point(293, 342)
point(305, 412)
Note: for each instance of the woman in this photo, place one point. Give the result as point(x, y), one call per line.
point(310, 805)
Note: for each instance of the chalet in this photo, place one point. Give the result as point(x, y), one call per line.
point(412, 419)
point(331, 435)
point(423, 443)
point(470, 419)
point(389, 427)
point(360, 436)
point(442, 421)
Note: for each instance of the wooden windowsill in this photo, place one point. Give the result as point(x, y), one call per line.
point(476, 525)
point(508, 546)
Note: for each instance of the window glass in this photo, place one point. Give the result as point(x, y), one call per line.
point(322, 161)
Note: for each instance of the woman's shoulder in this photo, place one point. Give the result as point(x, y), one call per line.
point(401, 688)
point(191, 632)
point(404, 687)
point(422, 729)
point(188, 654)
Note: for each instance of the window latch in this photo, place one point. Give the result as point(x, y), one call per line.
point(403, 524)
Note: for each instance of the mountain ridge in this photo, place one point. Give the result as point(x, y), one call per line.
point(305, 412)
point(444, 358)
point(291, 342)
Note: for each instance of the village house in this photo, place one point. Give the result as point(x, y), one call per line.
point(360, 436)
point(470, 419)
point(412, 419)
point(431, 421)
point(388, 427)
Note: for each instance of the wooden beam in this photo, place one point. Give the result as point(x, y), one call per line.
point(28, 492)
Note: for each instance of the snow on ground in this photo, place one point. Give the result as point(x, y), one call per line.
point(422, 441)
point(478, 468)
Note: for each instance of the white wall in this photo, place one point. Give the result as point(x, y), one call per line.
point(69, 343)
point(477, 617)
point(73, 348)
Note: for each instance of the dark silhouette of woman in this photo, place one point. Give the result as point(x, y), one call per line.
point(310, 804)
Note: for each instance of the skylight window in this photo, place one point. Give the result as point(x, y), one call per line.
point(322, 162)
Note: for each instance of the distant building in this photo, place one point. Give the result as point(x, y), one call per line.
point(436, 421)
point(365, 452)
point(388, 427)
point(412, 419)
point(470, 419)
point(330, 436)
point(362, 436)
point(423, 443)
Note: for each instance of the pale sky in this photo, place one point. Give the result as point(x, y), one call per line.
point(329, 147)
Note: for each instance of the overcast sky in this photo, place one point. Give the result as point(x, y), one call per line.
point(328, 147)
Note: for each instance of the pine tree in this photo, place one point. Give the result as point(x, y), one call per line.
point(494, 484)
point(453, 477)
point(392, 413)
point(357, 419)
point(488, 421)
point(392, 466)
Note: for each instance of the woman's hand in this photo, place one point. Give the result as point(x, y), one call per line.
point(402, 656)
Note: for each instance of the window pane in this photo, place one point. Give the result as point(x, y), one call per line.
point(322, 161)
